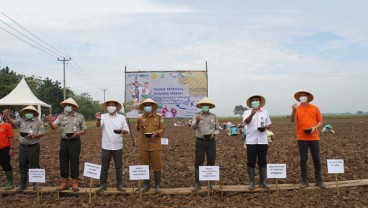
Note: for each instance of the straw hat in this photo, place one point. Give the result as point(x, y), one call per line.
point(70, 101)
point(207, 101)
point(262, 102)
point(148, 100)
point(309, 95)
point(30, 107)
point(118, 105)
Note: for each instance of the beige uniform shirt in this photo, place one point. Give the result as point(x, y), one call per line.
point(70, 124)
point(26, 125)
point(208, 124)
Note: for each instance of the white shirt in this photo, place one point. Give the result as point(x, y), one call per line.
point(254, 136)
point(109, 123)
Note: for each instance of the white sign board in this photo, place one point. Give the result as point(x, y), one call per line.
point(37, 175)
point(164, 141)
point(276, 170)
point(335, 166)
point(209, 173)
point(139, 172)
point(92, 170)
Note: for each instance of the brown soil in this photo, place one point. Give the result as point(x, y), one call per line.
point(349, 143)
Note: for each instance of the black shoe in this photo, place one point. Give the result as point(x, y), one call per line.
point(21, 188)
point(321, 185)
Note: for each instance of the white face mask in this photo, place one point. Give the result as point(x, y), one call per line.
point(68, 109)
point(111, 109)
point(303, 99)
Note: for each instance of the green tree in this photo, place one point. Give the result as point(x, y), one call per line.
point(239, 110)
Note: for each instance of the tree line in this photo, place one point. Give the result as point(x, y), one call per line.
point(49, 91)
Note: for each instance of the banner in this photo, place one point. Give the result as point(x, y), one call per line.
point(175, 92)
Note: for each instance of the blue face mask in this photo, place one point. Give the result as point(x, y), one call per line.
point(205, 108)
point(255, 104)
point(68, 109)
point(28, 115)
point(147, 109)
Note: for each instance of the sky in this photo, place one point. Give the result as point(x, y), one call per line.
point(271, 48)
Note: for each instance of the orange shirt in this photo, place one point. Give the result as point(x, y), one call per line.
point(6, 131)
point(307, 117)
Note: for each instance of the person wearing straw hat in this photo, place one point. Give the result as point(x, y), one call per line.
point(6, 151)
point(206, 127)
point(258, 121)
point(308, 119)
point(151, 125)
point(31, 130)
point(72, 126)
point(113, 125)
point(328, 129)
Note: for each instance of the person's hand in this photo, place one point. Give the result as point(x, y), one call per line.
point(98, 116)
point(49, 118)
point(212, 136)
point(154, 135)
point(293, 107)
point(139, 120)
point(11, 152)
point(254, 111)
point(314, 128)
point(5, 112)
point(125, 131)
point(198, 119)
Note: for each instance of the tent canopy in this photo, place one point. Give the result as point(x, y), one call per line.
point(23, 95)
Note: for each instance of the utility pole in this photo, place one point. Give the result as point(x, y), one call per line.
point(104, 91)
point(64, 60)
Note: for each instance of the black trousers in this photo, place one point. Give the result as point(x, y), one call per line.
point(5, 159)
point(69, 157)
point(254, 151)
point(204, 148)
point(315, 152)
point(29, 157)
point(117, 155)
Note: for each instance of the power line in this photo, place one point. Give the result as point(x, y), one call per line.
point(62, 54)
point(28, 43)
point(28, 38)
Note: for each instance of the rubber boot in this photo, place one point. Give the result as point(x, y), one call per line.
point(103, 181)
point(146, 186)
point(23, 182)
point(211, 186)
point(35, 187)
point(64, 184)
point(119, 181)
point(75, 187)
point(157, 181)
point(304, 184)
point(262, 178)
point(251, 174)
point(10, 181)
point(197, 184)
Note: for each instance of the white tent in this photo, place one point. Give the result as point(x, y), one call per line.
point(23, 95)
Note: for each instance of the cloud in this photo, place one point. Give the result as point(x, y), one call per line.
point(273, 53)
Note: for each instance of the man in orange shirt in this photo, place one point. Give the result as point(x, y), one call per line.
point(6, 151)
point(308, 119)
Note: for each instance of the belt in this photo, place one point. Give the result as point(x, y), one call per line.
point(204, 139)
point(69, 140)
point(28, 145)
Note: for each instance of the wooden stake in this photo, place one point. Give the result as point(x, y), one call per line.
point(277, 188)
point(90, 190)
point(337, 185)
point(38, 195)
